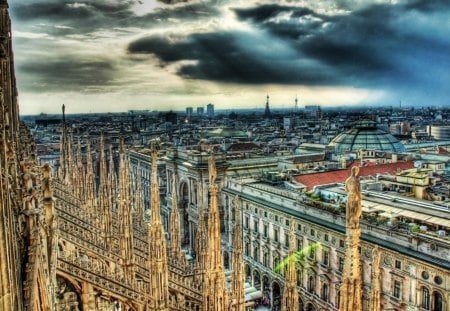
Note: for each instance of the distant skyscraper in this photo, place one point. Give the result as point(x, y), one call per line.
point(200, 111)
point(267, 110)
point(189, 111)
point(210, 110)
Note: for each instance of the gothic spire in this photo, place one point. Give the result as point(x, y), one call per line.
point(214, 285)
point(63, 148)
point(158, 270)
point(112, 177)
point(201, 238)
point(90, 192)
point(103, 195)
point(351, 286)
point(126, 225)
point(375, 291)
point(238, 278)
point(175, 233)
point(139, 199)
point(290, 294)
point(80, 174)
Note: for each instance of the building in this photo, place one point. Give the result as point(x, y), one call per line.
point(189, 111)
point(210, 110)
point(439, 132)
point(200, 111)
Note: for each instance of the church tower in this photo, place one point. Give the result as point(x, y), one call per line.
point(214, 285)
point(157, 257)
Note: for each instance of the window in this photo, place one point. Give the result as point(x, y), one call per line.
point(299, 277)
point(287, 222)
point(247, 248)
point(255, 225)
point(397, 289)
point(246, 222)
point(256, 253)
point(256, 210)
point(276, 217)
point(326, 237)
point(299, 244)
point(341, 264)
point(266, 259)
point(341, 243)
point(312, 232)
point(299, 227)
point(312, 251)
point(311, 284)
point(266, 229)
point(326, 257)
point(425, 298)
point(325, 292)
point(398, 264)
point(275, 235)
point(265, 214)
point(286, 240)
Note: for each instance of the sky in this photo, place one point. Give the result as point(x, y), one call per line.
point(118, 55)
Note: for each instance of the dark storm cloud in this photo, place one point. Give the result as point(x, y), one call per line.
point(89, 16)
point(231, 57)
point(66, 74)
point(376, 46)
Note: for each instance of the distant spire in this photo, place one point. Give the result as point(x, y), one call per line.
point(267, 110)
point(112, 177)
point(296, 104)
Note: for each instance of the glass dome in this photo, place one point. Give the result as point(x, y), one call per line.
point(365, 135)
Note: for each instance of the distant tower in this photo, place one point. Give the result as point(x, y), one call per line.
point(296, 104)
point(267, 110)
point(210, 110)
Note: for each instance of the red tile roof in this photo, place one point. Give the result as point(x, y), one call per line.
point(323, 178)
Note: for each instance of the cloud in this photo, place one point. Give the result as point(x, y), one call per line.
point(379, 45)
point(67, 73)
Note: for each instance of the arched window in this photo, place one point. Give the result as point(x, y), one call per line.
point(247, 248)
point(437, 302)
point(425, 298)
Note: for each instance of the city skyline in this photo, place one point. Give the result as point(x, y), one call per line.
point(112, 56)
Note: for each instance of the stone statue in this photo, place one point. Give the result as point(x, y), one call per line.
point(212, 170)
point(354, 209)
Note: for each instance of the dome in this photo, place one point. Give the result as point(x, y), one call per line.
point(365, 135)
